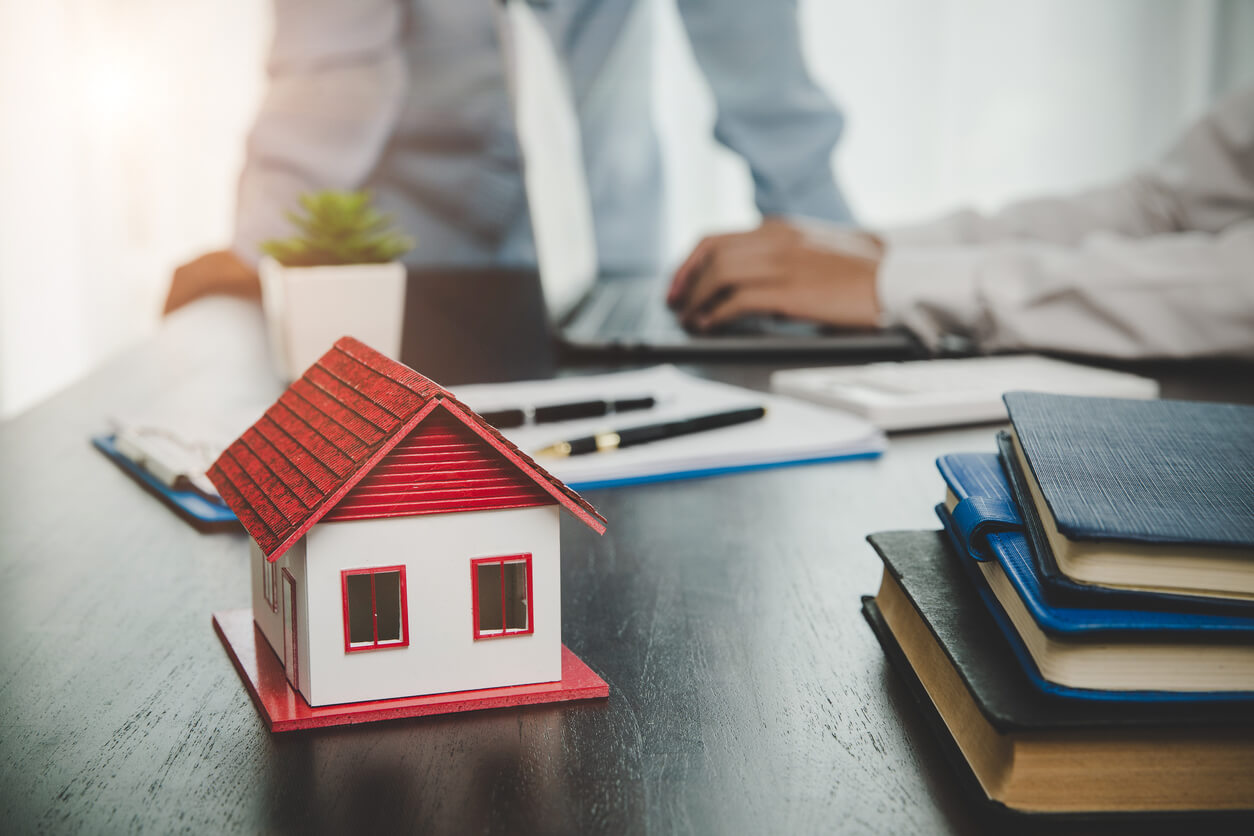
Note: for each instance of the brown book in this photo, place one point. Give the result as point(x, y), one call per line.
point(1029, 751)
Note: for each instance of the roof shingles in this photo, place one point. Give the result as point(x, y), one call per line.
point(308, 456)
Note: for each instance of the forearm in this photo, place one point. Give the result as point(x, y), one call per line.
point(1133, 207)
point(1204, 183)
point(770, 111)
point(1180, 295)
point(211, 273)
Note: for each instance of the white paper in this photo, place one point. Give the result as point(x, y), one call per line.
point(174, 443)
point(791, 431)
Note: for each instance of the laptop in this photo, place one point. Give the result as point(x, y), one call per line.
point(619, 313)
point(628, 314)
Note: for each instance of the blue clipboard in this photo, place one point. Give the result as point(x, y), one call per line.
point(202, 512)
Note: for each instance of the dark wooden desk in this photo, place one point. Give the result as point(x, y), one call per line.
point(747, 695)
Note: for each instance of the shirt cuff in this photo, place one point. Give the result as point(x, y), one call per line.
point(949, 230)
point(932, 291)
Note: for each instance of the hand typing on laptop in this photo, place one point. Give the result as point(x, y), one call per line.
point(1157, 264)
point(790, 269)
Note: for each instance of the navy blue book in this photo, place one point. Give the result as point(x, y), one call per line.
point(1151, 495)
point(1087, 652)
point(1062, 591)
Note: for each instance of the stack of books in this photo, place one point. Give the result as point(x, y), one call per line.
point(1081, 633)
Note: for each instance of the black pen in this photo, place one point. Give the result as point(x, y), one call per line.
point(617, 439)
point(507, 418)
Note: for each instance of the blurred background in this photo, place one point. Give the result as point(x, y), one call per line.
point(122, 125)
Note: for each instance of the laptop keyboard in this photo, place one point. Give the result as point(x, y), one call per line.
point(633, 310)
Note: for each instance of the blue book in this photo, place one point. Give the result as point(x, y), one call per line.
point(1060, 590)
point(1153, 495)
point(1084, 652)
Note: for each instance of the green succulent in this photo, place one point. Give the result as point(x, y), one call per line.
point(338, 228)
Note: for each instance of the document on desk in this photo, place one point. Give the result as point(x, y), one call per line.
point(168, 452)
point(792, 432)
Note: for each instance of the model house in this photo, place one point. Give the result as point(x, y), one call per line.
point(401, 545)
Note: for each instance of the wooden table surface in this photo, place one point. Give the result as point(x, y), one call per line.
point(747, 694)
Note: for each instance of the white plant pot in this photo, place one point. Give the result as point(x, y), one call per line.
point(309, 308)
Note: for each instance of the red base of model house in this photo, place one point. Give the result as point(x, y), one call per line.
point(284, 709)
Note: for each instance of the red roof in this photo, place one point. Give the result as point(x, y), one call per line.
point(359, 436)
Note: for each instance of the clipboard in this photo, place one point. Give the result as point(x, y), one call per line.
point(199, 511)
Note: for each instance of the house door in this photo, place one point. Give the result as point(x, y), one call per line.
point(291, 655)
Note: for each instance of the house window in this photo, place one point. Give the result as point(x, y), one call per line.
point(501, 590)
point(270, 583)
point(375, 611)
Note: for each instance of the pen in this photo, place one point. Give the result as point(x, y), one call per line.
point(616, 439)
point(507, 418)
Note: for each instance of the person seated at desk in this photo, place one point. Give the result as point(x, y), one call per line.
point(410, 99)
point(1160, 264)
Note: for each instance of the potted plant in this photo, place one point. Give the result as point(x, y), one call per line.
point(338, 276)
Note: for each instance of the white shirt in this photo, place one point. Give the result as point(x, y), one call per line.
point(1158, 265)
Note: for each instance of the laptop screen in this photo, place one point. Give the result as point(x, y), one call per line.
point(557, 192)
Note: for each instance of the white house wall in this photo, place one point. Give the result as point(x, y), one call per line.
point(271, 621)
point(442, 655)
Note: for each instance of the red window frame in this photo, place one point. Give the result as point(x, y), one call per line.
point(475, 563)
point(349, 646)
point(270, 583)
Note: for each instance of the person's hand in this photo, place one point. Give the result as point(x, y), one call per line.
point(823, 274)
point(216, 272)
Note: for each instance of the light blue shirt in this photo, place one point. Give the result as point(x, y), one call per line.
point(411, 100)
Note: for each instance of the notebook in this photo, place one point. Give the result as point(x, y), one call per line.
point(1077, 650)
point(1029, 751)
point(1061, 590)
point(936, 393)
point(1152, 495)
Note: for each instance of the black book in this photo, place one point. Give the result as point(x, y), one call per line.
point(1026, 750)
